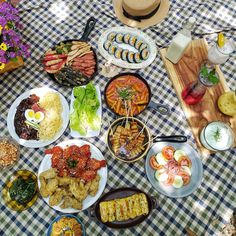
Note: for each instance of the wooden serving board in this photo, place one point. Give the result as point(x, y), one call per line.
point(185, 71)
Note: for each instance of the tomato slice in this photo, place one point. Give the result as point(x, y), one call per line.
point(185, 161)
point(154, 164)
point(170, 180)
point(168, 152)
point(185, 176)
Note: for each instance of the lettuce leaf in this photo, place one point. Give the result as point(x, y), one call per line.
point(85, 106)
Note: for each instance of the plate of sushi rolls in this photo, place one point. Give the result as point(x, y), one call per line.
point(127, 47)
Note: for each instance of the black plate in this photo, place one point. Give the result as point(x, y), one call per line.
point(121, 193)
point(69, 81)
point(162, 109)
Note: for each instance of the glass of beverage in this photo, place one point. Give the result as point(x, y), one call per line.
point(217, 136)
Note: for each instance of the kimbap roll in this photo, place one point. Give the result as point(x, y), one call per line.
point(118, 53)
point(126, 38)
point(107, 44)
point(132, 40)
point(111, 36)
point(137, 57)
point(130, 57)
point(143, 46)
point(138, 44)
point(119, 38)
point(124, 54)
point(144, 54)
point(112, 49)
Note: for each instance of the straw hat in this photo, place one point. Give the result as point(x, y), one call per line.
point(141, 13)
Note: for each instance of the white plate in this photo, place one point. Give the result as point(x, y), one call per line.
point(95, 153)
point(118, 62)
point(90, 133)
point(12, 111)
point(196, 170)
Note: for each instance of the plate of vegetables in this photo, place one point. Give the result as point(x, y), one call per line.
point(174, 169)
point(85, 111)
point(127, 47)
point(20, 191)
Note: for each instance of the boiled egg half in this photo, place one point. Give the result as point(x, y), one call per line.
point(33, 116)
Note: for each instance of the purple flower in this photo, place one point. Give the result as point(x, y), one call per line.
point(2, 53)
point(3, 21)
point(11, 54)
point(3, 60)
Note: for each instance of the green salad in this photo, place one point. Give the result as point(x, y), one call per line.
point(85, 106)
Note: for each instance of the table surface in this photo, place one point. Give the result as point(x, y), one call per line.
point(48, 22)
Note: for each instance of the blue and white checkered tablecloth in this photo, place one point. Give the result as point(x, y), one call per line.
point(48, 22)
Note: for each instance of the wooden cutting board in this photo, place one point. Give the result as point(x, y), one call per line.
point(185, 71)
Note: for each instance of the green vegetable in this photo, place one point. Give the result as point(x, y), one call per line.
point(72, 163)
point(63, 48)
point(217, 134)
point(33, 125)
point(22, 190)
point(85, 106)
point(126, 93)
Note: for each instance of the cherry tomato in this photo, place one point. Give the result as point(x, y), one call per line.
point(168, 152)
point(185, 161)
point(154, 164)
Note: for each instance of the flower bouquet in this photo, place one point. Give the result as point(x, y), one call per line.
point(11, 47)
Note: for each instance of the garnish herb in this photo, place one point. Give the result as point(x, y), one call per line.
point(210, 75)
point(126, 93)
point(72, 163)
point(217, 134)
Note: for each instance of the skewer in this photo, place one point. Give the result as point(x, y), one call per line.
point(149, 141)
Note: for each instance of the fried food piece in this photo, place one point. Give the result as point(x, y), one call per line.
point(57, 197)
point(103, 206)
point(49, 174)
point(94, 186)
point(78, 190)
point(52, 186)
point(71, 202)
point(43, 190)
point(64, 180)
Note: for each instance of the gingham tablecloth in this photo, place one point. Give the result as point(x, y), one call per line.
point(48, 22)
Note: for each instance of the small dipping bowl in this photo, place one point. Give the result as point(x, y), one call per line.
point(217, 136)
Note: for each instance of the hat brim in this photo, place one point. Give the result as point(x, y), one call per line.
point(157, 18)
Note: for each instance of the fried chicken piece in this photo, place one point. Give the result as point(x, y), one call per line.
point(49, 174)
point(79, 190)
point(94, 186)
point(51, 186)
point(71, 202)
point(57, 197)
point(43, 190)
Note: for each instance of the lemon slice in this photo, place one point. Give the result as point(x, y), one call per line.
point(221, 40)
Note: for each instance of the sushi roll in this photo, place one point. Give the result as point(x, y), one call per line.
point(119, 38)
point(111, 36)
point(143, 46)
point(118, 53)
point(124, 54)
point(112, 49)
point(107, 44)
point(130, 57)
point(126, 38)
point(138, 44)
point(137, 57)
point(144, 54)
point(132, 40)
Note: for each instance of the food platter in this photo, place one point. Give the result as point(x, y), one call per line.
point(95, 153)
point(196, 170)
point(141, 36)
point(66, 216)
point(72, 62)
point(14, 194)
point(40, 92)
point(118, 194)
point(89, 132)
